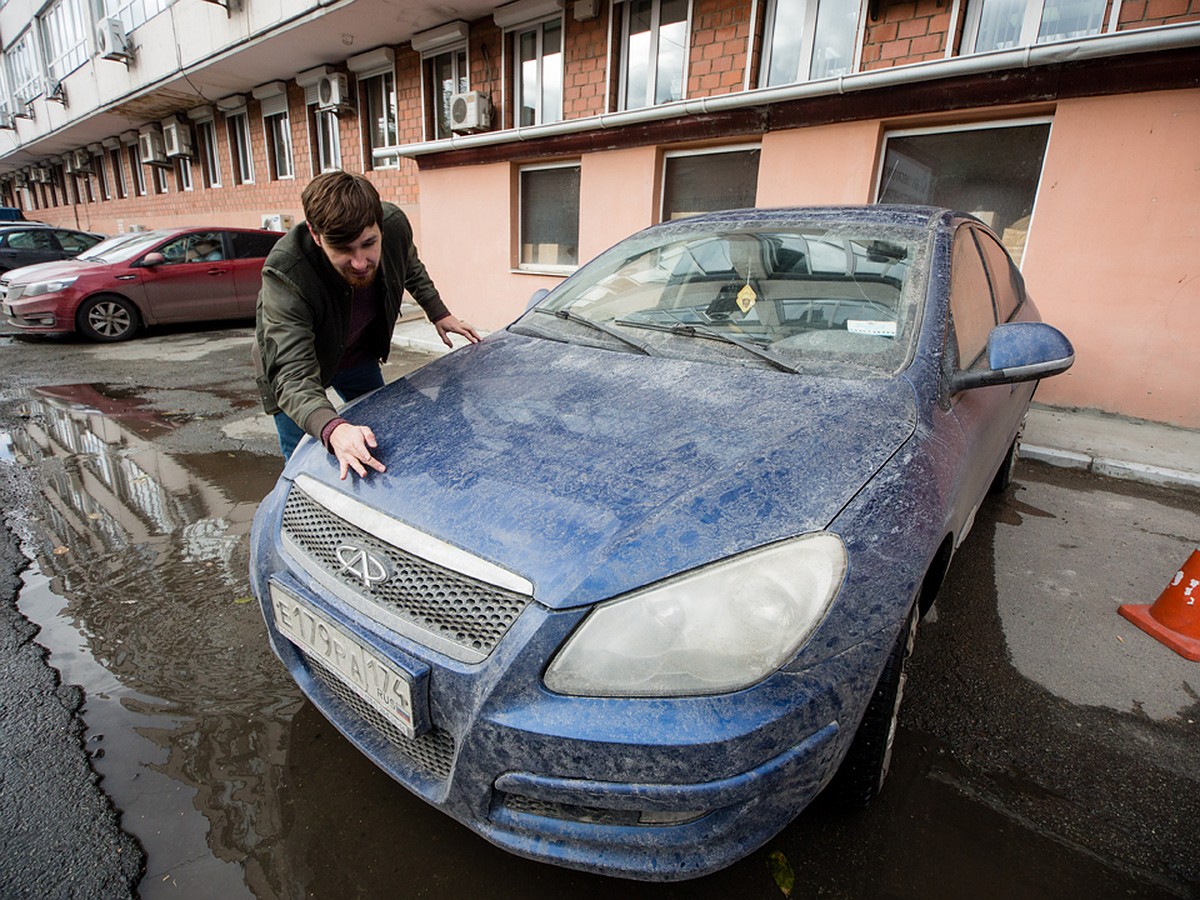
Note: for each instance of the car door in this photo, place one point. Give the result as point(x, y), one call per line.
point(27, 246)
point(250, 249)
point(191, 283)
point(989, 416)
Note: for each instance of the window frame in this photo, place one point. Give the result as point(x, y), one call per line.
point(536, 267)
point(21, 65)
point(210, 157)
point(135, 164)
point(55, 24)
point(241, 150)
point(327, 139)
point(1030, 26)
point(695, 152)
point(514, 34)
point(367, 82)
point(812, 20)
point(653, 55)
point(438, 116)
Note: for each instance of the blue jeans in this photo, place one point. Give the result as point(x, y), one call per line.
point(352, 383)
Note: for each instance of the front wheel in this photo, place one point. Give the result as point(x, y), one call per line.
point(107, 318)
point(861, 775)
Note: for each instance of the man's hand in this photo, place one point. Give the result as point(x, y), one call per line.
point(352, 445)
point(448, 325)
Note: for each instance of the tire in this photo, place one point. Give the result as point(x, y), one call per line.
point(1004, 477)
point(107, 318)
point(861, 774)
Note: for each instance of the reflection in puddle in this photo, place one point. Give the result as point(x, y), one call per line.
point(141, 590)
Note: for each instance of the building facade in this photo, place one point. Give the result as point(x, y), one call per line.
point(524, 138)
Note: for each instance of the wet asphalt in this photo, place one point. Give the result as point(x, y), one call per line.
point(151, 745)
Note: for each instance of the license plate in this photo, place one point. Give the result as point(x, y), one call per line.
point(360, 668)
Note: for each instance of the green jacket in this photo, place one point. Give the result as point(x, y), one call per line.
point(303, 317)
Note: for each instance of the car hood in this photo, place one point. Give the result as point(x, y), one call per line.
point(592, 472)
point(47, 270)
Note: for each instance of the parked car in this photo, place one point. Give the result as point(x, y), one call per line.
point(644, 569)
point(139, 279)
point(34, 242)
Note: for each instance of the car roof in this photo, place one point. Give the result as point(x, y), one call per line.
point(872, 213)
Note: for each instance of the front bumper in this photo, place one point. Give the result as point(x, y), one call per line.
point(647, 788)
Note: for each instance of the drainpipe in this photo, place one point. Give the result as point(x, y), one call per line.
point(1148, 40)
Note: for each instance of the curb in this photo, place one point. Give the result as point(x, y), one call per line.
point(1112, 468)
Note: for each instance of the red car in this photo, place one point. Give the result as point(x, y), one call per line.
point(139, 279)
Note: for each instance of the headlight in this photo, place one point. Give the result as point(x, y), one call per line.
point(717, 629)
point(48, 287)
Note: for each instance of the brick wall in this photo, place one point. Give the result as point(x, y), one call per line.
point(909, 32)
point(720, 38)
point(1147, 13)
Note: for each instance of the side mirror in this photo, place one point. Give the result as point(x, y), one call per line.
point(1019, 351)
point(537, 297)
point(153, 259)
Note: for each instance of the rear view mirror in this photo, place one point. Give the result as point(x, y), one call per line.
point(1019, 351)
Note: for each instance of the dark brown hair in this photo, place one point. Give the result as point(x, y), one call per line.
point(339, 206)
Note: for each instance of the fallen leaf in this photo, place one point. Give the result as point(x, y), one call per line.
point(781, 871)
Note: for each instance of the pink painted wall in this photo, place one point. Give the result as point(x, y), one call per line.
point(825, 164)
point(468, 219)
point(1113, 257)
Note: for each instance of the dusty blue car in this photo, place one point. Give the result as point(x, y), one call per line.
point(645, 566)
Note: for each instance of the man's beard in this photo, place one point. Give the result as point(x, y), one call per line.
point(360, 281)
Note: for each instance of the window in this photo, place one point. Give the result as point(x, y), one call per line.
point(210, 160)
point(102, 177)
point(159, 176)
point(382, 129)
point(22, 68)
point(538, 54)
point(250, 244)
point(654, 38)
point(989, 170)
point(970, 300)
point(445, 76)
point(237, 126)
point(1008, 287)
point(1001, 24)
point(549, 217)
point(73, 242)
point(183, 174)
point(118, 166)
point(199, 246)
point(810, 39)
point(278, 128)
point(707, 181)
point(64, 37)
point(329, 141)
point(133, 13)
point(135, 165)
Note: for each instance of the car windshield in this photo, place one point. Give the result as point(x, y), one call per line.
point(123, 246)
point(838, 299)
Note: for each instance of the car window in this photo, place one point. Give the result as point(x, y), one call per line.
point(971, 308)
point(36, 239)
point(251, 244)
point(75, 241)
point(841, 297)
point(199, 246)
point(1007, 284)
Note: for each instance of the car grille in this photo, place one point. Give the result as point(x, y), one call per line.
point(432, 752)
point(420, 599)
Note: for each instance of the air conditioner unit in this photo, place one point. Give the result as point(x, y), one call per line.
point(177, 139)
point(54, 90)
point(19, 180)
point(8, 120)
point(82, 160)
point(470, 111)
point(333, 92)
point(277, 222)
point(40, 174)
point(68, 163)
point(151, 149)
point(111, 42)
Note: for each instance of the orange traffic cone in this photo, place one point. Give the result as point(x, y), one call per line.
point(1174, 619)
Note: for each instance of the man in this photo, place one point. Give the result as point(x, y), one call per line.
point(331, 290)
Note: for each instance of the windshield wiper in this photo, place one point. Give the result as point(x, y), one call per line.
point(598, 326)
point(688, 329)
